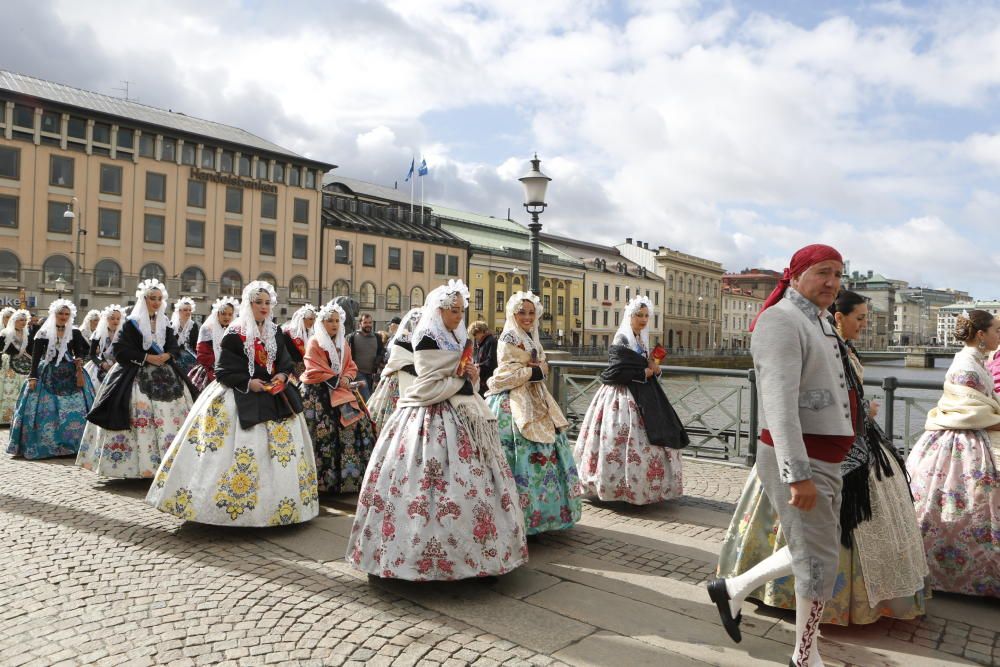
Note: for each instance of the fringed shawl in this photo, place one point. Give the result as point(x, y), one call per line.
point(535, 413)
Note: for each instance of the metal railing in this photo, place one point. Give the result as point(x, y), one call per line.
point(722, 418)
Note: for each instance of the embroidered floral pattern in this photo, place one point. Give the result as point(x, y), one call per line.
point(238, 486)
point(308, 492)
point(50, 421)
point(180, 505)
point(160, 383)
point(279, 442)
point(209, 430)
point(342, 452)
point(286, 514)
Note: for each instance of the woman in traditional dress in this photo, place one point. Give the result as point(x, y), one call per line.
point(89, 324)
point(439, 501)
point(532, 427)
point(5, 314)
point(882, 565)
point(15, 346)
point(953, 469)
point(144, 398)
point(51, 411)
point(341, 430)
point(244, 457)
point(102, 356)
point(186, 330)
point(398, 373)
point(210, 340)
point(297, 332)
point(628, 448)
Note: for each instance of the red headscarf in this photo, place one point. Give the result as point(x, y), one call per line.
point(801, 260)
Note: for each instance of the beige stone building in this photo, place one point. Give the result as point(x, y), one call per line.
point(205, 207)
point(693, 293)
point(739, 307)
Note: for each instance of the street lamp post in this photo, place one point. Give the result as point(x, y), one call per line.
point(350, 263)
point(60, 284)
point(535, 183)
point(80, 231)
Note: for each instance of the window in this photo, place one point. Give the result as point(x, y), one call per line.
point(51, 122)
point(606, 292)
point(417, 263)
point(153, 229)
point(107, 274)
point(232, 238)
point(368, 254)
point(111, 179)
point(628, 294)
point(207, 158)
point(234, 200)
point(61, 171)
point(301, 211)
point(670, 281)
point(58, 222)
point(56, 267)
point(594, 291)
point(102, 133)
point(546, 303)
point(689, 311)
point(187, 154)
point(560, 305)
point(231, 283)
point(168, 150)
point(618, 293)
point(341, 288)
point(156, 186)
point(656, 298)
point(126, 139)
point(670, 306)
point(617, 315)
point(593, 317)
point(261, 169)
point(147, 145)
point(342, 250)
point(268, 278)
point(439, 264)
point(656, 320)
point(196, 193)
point(395, 257)
point(24, 116)
point(298, 288)
point(10, 163)
point(226, 163)
point(10, 266)
point(479, 300)
point(193, 280)
point(300, 246)
point(154, 271)
point(605, 318)
point(243, 166)
point(367, 295)
point(77, 128)
point(279, 173)
point(501, 301)
point(392, 297)
point(268, 242)
point(293, 176)
point(452, 265)
point(310, 179)
point(269, 206)
point(109, 223)
point(576, 306)
point(416, 297)
point(194, 236)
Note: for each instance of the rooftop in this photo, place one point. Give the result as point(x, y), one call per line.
point(364, 188)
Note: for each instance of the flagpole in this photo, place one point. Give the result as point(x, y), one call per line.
point(421, 188)
point(412, 176)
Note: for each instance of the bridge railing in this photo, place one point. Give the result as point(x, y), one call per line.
point(720, 409)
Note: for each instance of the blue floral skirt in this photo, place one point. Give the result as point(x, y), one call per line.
point(49, 421)
point(548, 486)
point(186, 361)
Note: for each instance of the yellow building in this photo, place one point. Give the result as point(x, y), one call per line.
point(202, 206)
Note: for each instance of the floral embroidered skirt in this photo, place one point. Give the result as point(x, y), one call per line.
point(12, 377)
point(342, 452)
point(755, 533)
point(50, 420)
point(614, 457)
point(218, 473)
point(155, 420)
point(956, 490)
point(434, 504)
point(548, 486)
point(382, 402)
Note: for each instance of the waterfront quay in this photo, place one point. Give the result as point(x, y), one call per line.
point(94, 576)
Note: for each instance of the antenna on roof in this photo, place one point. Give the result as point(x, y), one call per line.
point(124, 89)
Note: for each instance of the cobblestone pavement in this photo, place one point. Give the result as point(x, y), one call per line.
point(91, 575)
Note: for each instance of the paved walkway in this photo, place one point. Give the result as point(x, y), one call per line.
point(91, 575)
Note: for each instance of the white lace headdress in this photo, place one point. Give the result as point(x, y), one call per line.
point(141, 316)
point(210, 329)
point(404, 332)
point(513, 331)
point(9, 333)
point(85, 327)
point(432, 325)
point(334, 348)
point(102, 334)
point(296, 327)
point(184, 331)
point(48, 330)
point(625, 329)
point(6, 312)
point(245, 325)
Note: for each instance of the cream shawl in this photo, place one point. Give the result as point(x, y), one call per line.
point(535, 413)
point(962, 408)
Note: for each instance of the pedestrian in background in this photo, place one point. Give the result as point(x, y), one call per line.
point(368, 351)
point(486, 352)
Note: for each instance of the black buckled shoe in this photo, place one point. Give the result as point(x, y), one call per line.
point(720, 596)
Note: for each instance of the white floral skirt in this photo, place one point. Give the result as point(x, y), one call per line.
point(383, 400)
point(218, 473)
point(435, 505)
point(136, 452)
point(11, 382)
point(614, 458)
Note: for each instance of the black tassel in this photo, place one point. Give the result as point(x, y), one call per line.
point(855, 503)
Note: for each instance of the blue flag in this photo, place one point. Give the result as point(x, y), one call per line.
point(409, 174)
point(423, 168)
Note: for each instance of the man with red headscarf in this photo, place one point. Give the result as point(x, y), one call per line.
point(808, 416)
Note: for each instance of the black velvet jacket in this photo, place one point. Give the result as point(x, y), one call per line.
point(10, 347)
point(663, 427)
point(231, 369)
point(77, 349)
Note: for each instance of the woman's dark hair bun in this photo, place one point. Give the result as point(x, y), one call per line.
point(968, 325)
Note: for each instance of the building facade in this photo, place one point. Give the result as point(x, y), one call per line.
point(755, 282)
point(150, 193)
point(739, 307)
point(947, 316)
point(917, 314)
point(380, 254)
point(693, 294)
point(610, 281)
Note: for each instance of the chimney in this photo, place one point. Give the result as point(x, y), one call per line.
point(628, 240)
point(870, 273)
point(645, 245)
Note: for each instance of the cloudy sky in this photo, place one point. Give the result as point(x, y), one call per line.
point(735, 130)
